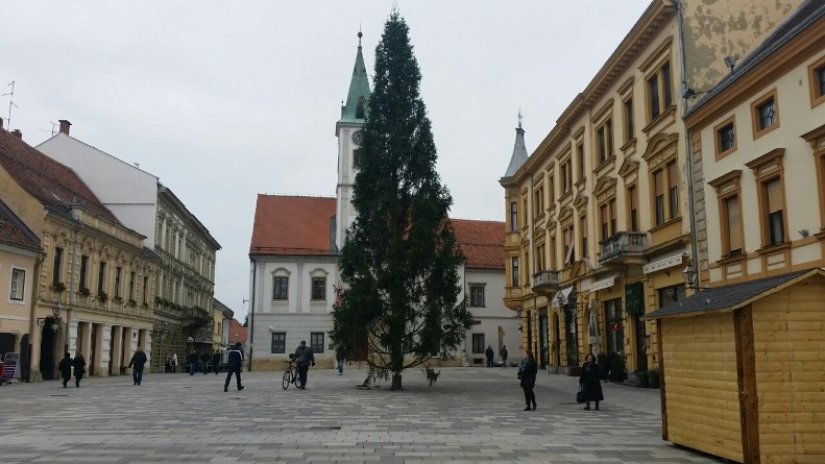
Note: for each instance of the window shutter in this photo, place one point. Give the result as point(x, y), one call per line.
point(773, 190)
point(734, 223)
point(659, 183)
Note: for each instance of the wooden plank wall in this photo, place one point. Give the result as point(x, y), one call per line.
point(702, 394)
point(789, 344)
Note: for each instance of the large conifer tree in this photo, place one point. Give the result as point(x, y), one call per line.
point(400, 261)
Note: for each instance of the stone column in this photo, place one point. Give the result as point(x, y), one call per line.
point(84, 345)
point(148, 349)
point(117, 349)
point(106, 350)
point(71, 337)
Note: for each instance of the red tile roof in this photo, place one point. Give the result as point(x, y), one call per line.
point(482, 243)
point(52, 183)
point(292, 225)
point(14, 232)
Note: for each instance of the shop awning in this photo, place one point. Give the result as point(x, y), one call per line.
point(730, 297)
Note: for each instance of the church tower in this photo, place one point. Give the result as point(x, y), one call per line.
point(348, 131)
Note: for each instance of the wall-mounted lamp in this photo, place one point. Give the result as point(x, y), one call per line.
point(690, 275)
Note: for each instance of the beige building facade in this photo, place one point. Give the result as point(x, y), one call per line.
point(93, 286)
point(599, 215)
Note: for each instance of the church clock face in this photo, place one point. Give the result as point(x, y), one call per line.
point(356, 137)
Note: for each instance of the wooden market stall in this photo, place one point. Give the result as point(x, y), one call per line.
point(743, 369)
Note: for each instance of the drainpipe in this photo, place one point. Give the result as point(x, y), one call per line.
point(694, 254)
point(251, 313)
point(38, 261)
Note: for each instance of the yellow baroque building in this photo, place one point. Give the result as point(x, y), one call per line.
point(599, 215)
point(93, 285)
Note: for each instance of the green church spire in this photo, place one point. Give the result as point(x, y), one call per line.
point(359, 90)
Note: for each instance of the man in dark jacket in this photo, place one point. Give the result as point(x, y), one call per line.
point(205, 357)
point(216, 361)
point(490, 354)
point(138, 361)
point(234, 363)
point(303, 359)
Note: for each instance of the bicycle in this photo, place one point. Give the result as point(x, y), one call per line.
point(291, 373)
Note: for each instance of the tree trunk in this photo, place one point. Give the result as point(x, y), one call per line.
point(396, 381)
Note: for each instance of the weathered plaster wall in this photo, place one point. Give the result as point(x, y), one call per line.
point(714, 29)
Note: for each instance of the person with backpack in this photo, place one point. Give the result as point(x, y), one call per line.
point(234, 363)
point(65, 368)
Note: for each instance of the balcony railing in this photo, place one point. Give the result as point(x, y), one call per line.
point(624, 248)
point(546, 281)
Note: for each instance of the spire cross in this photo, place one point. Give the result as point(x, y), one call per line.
point(519, 118)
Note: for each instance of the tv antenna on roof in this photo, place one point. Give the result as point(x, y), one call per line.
point(11, 102)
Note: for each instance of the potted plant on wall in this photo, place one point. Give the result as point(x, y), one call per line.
point(102, 297)
point(59, 287)
point(84, 292)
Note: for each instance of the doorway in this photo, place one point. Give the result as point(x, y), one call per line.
point(47, 347)
point(544, 353)
point(556, 337)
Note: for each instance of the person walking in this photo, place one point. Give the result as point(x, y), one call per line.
point(589, 382)
point(234, 362)
point(503, 354)
point(137, 363)
point(192, 362)
point(205, 357)
point(79, 368)
point(65, 368)
point(174, 363)
point(489, 353)
point(303, 358)
point(216, 361)
point(527, 373)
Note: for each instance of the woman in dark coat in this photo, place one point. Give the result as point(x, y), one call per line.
point(527, 374)
point(589, 382)
point(65, 368)
point(79, 368)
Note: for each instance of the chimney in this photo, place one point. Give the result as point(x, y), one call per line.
point(64, 126)
point(17, 134)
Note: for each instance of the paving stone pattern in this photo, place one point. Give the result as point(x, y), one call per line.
point(470, 415)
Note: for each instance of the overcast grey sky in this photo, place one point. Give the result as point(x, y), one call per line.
point(226, 100)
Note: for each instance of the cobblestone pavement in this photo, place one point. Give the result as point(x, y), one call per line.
point(470, 415)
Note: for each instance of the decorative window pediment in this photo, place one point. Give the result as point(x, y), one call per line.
point(281, 271)
point(660, 149)
point(580, 202)
point(566, 214)
point(628, 168)
point(605, 189)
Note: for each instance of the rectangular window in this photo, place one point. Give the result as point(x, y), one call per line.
point(101, 279)
point(633, 208)
point(280, 287)
point(659, 198)
point(316, 342)
point(733, 223)
point(653, 96)
point(725, 138)
point(583, 232)
point(672, 294)
point(356, 158)
point(551, 186)
point(580, 158)
point(58, 260)
point(513, 216)
point(604, 141)
point(84, 272)
point(567, 176)
point(612, 207)
point(553, 253)
point(767, 114)
point(603, 213)
point(18, 284)
point(660, 91)
point(628, 120)
point(820, 77)
point(145, 289)
point(569, 248)
point(118, 272)
point(816, 78)
point(775, 219)
point(132, 286)
point(278, 342)
point(538, 203)
point(514, 271)
point(319, 288)
point(666, 90)
point(477, 295)
point(673, 189)
point(478, 343)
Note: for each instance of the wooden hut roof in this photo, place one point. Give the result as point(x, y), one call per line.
point(730, 297)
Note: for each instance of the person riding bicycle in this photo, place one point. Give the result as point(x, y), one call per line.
point(303, 359)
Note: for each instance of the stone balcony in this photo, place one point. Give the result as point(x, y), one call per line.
point(546, 281)
point(624, 249)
